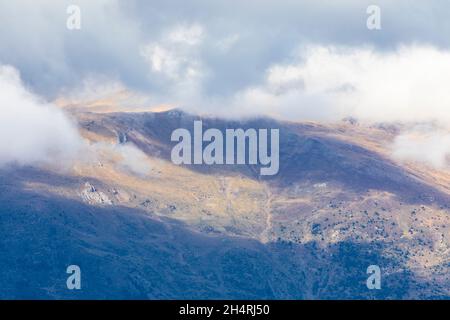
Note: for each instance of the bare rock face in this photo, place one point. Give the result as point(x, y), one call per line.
point(91, 195)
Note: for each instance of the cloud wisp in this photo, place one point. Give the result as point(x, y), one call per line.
point(329, 83)
point(32, 131)
point(430, 146)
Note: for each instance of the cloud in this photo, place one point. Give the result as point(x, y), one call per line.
point(238, 42)
point(32, 130)
point(425, 145)
point(133, 159)
point(124, 156)
point(175, 60)
point(176, 54)
point(329, 83)
point(107, 43)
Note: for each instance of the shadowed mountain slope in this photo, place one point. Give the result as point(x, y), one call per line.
point(142, 227)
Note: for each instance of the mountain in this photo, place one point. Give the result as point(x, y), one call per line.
point(142, 227)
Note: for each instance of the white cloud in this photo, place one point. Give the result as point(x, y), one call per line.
point(190, 35)
point(31, 130)
point(423, 144)
point(126, 157)
point(329, 83)
point(175, 60)
point(176, 55)
point(133, 159)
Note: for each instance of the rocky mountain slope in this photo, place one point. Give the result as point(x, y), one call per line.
point(142, 227)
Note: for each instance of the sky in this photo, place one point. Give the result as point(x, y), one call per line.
point(216, 48)
point(297, 60)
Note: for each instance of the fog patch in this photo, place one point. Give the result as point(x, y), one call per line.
point(425, 145)
point(32, 131)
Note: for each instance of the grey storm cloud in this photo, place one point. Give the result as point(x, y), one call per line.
point(242, 38)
